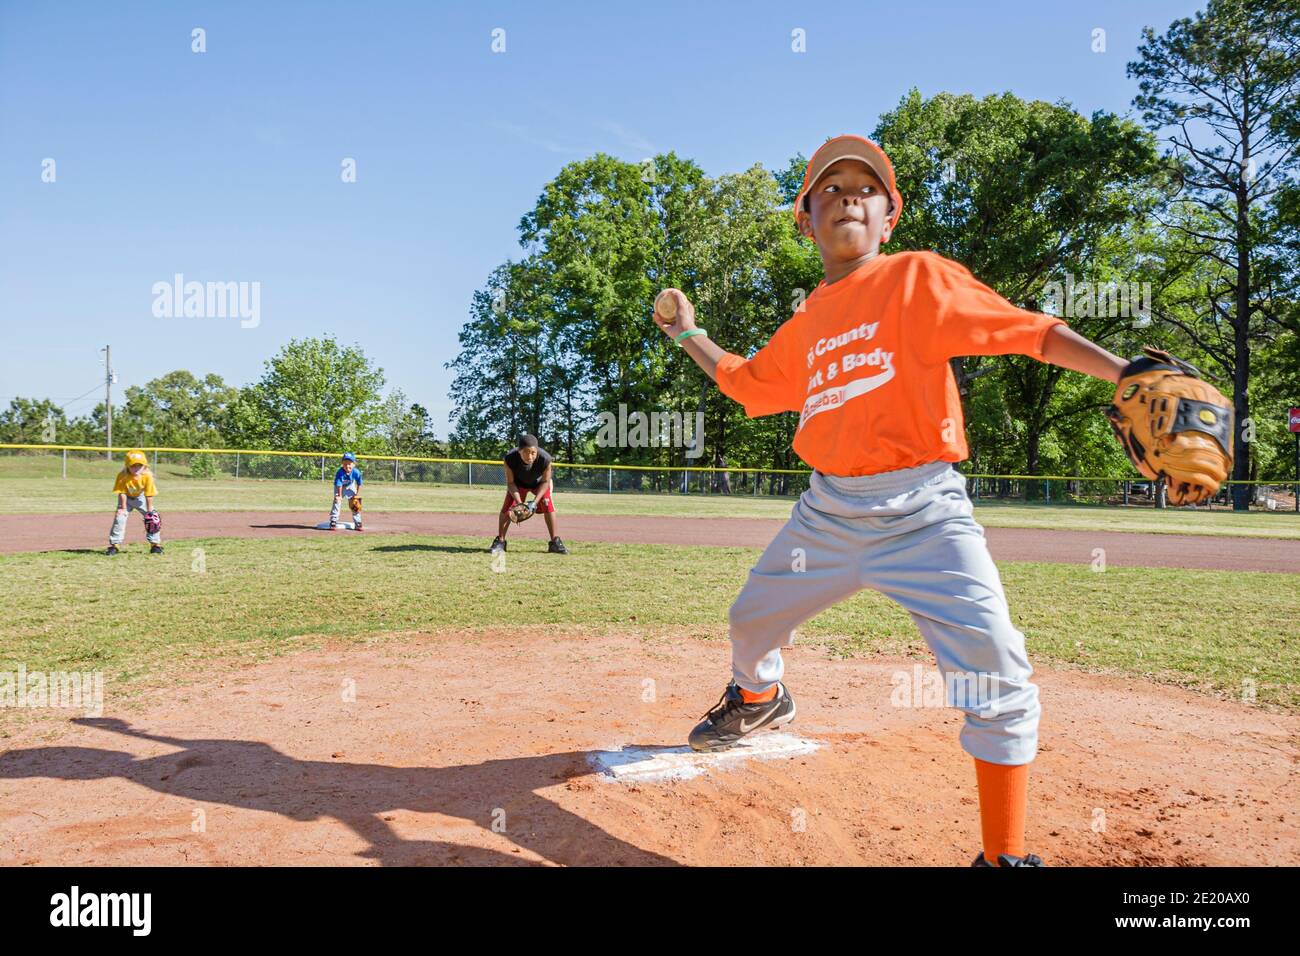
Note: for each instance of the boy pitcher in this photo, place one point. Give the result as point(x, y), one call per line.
point(865, 363)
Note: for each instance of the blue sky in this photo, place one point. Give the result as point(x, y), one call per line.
point(225, 165)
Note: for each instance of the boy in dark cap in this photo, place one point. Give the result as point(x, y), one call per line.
point(528, 469)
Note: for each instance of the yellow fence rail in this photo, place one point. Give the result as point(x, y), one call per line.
point(1134, 478)
point(259, 464)
point(398, 458)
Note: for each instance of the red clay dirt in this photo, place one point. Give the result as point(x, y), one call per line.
point(90, 532)
point(441, 760)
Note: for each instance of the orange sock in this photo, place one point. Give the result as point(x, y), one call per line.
point(749, 697)
point(1004, 797)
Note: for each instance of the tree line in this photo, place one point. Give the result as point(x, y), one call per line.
point(314, 395)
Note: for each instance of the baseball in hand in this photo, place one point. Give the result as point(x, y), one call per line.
point(666, 304)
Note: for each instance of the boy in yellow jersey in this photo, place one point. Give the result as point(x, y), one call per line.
point(135, 489)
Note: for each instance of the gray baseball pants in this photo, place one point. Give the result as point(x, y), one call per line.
point(118, 531)
point(910, 535)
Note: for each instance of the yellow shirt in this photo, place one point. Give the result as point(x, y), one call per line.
point(133, 486)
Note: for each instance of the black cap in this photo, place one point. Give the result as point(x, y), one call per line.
point(528, 441)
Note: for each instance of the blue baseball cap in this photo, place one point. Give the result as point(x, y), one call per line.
point(350, 457)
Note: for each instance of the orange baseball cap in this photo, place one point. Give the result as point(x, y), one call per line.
point(851, 147)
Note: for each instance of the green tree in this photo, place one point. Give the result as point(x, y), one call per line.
point(794, 269)
point(731, 245)
point(1224, 86)
point(599, 243)
point(407, 428)
point(32, 421)
point(314, 395)
point(1023, 194)
point(177, 410)
point(1281, 368)
point(790, 180)
point(499, 389)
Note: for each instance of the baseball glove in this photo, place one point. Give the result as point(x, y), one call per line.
point(152, 522)
point(1173, 425)
point(521, 512)
point(355, 503)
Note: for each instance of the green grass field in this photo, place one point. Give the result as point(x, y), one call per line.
point(142, 619)
point(38, 488)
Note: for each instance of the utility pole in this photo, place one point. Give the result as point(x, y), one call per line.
point(108, 398)
point(1293, 423)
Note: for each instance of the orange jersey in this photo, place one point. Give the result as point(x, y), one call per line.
point(865, 363)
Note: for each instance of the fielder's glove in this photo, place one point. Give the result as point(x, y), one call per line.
point(152, 522)
point(1173, 425)
point(522, 512)
point(355, 503)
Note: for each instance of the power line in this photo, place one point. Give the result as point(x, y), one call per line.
point(96, 386)
point(93, 388)
point(71, 410)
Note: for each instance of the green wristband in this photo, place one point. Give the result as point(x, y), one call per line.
point(683, 336)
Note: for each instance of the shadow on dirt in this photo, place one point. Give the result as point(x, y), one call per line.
point(255, 776)
point(448, 549)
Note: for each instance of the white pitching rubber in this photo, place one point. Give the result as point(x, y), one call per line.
point(654, 764)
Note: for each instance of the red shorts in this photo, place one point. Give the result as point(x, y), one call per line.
point(544, 503)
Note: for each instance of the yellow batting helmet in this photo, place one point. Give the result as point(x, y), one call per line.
point(135, 457)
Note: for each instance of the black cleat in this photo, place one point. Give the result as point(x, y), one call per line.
point(156, 549)
point(731, 718)
point(1004, 860)
point(497, 545)
point(112, 550)
point(556, 547)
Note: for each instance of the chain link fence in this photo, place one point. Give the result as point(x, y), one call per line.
point(39, 461)
point(1117, 492)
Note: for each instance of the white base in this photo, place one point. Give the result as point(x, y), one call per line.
point(342, 526)
point(656, 764)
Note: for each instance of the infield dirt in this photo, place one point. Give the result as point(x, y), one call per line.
point(59, 532)
point(477, 748)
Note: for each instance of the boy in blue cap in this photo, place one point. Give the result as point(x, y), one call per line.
point(347, 485)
